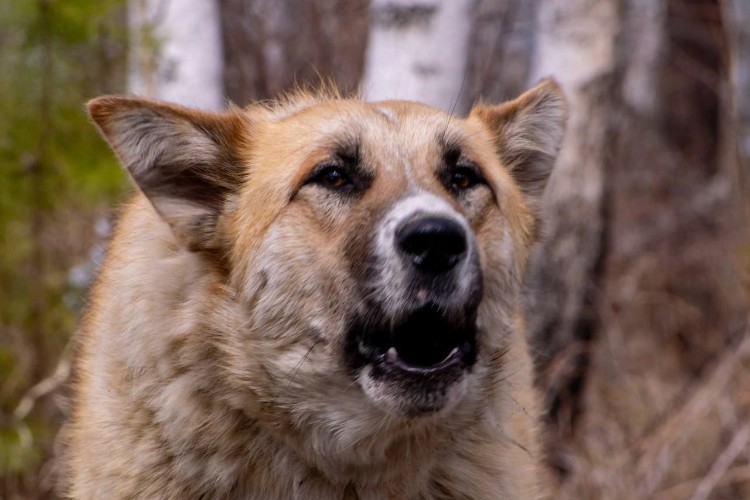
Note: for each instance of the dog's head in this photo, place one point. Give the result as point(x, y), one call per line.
point(374, 250)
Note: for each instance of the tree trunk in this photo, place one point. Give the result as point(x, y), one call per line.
point(176, 52)
point(418, 51)
point(273, 45)
point(501, 44)
point(576, 45)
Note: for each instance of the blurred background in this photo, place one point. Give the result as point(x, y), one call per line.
point(637, 296)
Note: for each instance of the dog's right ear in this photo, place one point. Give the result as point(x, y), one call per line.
point(528, 132)
point(184, 161)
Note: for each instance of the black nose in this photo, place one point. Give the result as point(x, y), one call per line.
point(433, 244)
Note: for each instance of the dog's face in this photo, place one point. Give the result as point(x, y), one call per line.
point(374, 249)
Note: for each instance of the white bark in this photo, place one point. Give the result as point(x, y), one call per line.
point(417, 51)
point(176, 51)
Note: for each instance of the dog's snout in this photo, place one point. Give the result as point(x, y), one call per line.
point(432, 244)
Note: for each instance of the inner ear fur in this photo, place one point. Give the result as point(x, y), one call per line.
point(184, 161)
point(527, 133)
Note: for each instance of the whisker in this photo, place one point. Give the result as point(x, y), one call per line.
point(293, 373)
point(453, 105)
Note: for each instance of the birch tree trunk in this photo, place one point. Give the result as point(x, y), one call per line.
point(576, 44)
point(176, 52)
point(418, 51)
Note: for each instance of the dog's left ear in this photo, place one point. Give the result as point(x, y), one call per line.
point(527, 134)
point(184, 161)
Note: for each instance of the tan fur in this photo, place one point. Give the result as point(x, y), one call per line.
point(209, 363)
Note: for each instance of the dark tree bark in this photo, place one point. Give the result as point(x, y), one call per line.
point(500, 52)
point(271, 46)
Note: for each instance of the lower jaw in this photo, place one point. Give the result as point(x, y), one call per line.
point(409, 395)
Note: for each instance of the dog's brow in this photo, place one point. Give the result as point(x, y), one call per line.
point(348, 149)
point(451, 143)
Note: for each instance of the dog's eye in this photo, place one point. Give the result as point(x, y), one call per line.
point(332, 177)
point(463, 178)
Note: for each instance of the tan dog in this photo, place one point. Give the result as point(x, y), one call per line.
point(316, 299)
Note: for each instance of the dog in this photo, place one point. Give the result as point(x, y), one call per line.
point(316, 298)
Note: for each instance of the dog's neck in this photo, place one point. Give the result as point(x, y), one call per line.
point(397, 460)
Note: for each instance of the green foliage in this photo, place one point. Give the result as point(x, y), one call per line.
point(56, 178)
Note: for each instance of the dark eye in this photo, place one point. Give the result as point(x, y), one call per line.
point(463, 178)
point(332, 178)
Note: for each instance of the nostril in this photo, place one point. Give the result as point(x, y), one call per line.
point(433, 244)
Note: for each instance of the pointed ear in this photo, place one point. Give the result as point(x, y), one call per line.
point(527, 133)
point(184, 161)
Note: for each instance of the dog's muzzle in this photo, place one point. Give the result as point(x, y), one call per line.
point(416, 335)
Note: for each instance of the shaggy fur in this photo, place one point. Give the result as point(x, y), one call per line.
point(211, 362)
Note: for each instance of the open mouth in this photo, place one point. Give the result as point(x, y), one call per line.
point(426, 342)
point(415, 366)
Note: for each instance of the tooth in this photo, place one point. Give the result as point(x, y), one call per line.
point(450, 354)
point(392, 354)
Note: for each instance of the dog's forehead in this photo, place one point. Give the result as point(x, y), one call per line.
point(390, 135)
point(402, 122)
